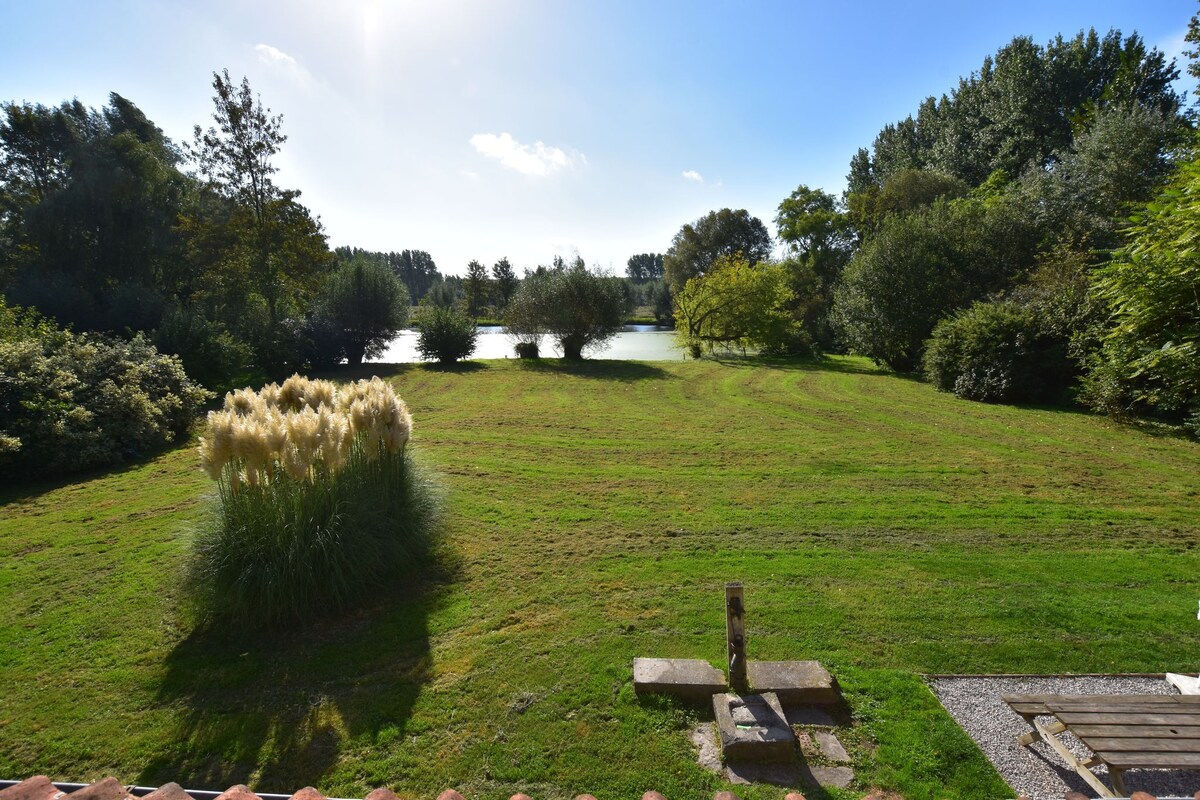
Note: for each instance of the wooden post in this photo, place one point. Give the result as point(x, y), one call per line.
point(735, 636)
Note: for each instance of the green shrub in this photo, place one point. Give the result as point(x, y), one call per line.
point(524, 324)
point(795, 342)
point(526, 349)
point(999, 353)
point(210, 353)
point(71, 402)
point(319, 503)
point(921, 266)
point(1149, 361)
point(444, 334)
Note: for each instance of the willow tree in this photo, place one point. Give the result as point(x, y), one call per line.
point(580, 310)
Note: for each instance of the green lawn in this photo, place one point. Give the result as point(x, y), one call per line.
point(595, 514)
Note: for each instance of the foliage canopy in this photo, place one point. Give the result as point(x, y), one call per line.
point(734, 304)
point(445, 334)
point(718, 233)
point(1151, 355)
point(579, 309)
point(368, 306)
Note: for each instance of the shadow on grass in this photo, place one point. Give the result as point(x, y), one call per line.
point(391, 370)
point(1068, 407)
point(20, 491)
point(275, 710)
point(1157, 428)
point(602, 369)
point(850, 366)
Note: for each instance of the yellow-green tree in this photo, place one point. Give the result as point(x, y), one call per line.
point(734, 304)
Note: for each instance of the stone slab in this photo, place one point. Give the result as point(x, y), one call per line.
point(744, 773)
point(708, 748)
point(689, 678)
point(830, 747)
point(795, 682)
point(753, 728)
point(809, 715)
point(841, 777)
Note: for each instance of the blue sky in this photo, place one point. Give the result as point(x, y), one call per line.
point(528, 129)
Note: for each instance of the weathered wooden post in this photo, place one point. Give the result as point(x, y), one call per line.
point(735, 636)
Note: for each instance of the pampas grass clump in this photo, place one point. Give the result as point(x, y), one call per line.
point(319, 501)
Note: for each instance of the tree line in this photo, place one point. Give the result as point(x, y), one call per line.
point(109, 227)
point(1024, 237)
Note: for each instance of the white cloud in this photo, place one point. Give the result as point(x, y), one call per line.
point(692, 175)
point(269, 55)
point(528, 159)
point(274, 57)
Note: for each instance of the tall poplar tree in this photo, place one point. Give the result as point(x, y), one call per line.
point(476, 286)
point(282, 245)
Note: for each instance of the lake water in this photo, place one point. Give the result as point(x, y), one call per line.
point(634, 343)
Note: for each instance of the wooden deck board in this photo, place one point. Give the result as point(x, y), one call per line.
point(1072, 718)
point(1141, 731)
point(1141, 744)
point(1144, 760)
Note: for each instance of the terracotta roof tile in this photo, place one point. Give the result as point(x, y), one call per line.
point(168, 791)
point(308, 793)
point(38, 787)
point(238, 792)
point(107, 789)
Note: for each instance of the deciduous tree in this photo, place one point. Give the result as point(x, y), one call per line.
point(718, 233)
point(477, 288)
point(1151, 355)
point(644, 267)
point(734, 304)
point(580, 309)
point(1025, 103)
point(367, 304)
point(921, 266)
point(236, 159)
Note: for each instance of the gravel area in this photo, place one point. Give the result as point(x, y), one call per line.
point(1038, 771)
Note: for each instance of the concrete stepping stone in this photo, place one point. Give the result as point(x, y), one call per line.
point(831, 748)
point(841, 777)
point(689, 678)
point(809, 715)
point(748, 772)
point(794, 682)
